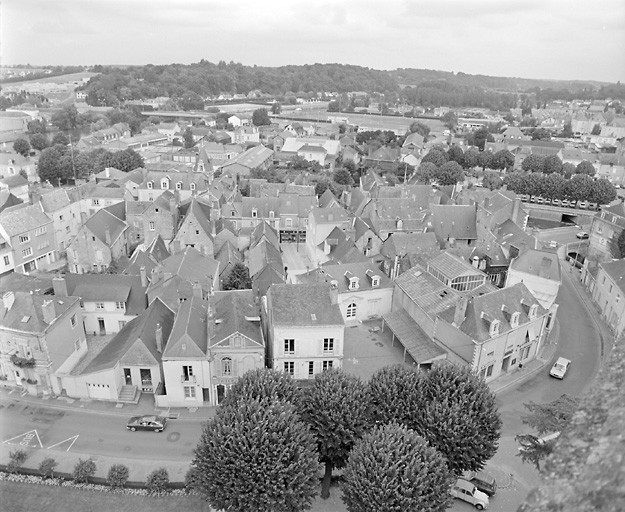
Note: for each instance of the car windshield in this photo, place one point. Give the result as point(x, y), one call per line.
point(559, 367)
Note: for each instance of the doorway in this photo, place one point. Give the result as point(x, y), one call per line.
point(505, 364)
point(221, 392)
point(101, 326)
point(206, 395)
point(127, 376)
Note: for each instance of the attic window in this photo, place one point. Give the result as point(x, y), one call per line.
point(313, 317)
point(514, 319)
point(353, 283)
point(192, 186)
point(150, 185)
point(156, 210)
point(179, 185)
point(494, 328)
point(164, 183)
point(533, 313)
point(375, 281)
point(334, 284)
point(254, 213)
point(271, 214)
point(25, 319)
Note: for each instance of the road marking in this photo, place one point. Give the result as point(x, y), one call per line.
point(26, 439)
point(72, 439)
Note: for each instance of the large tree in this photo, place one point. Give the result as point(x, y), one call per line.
point(238, 278)
point(393, 469)
point(420, 128)
point(533, 163)
point(479, 138)
point(426, 171)
point(579, 187)
point(503, 160)
point(342, 176)
point(50, 166)
point(264, 385)
point(257, 456)
point(21, 146)
point(126, 160)
point(336, 408)
point(568, 169)
point(602, 191)
point(435, 156)
point(620, 245)
point(260, 117)
point(393, 394)
point(66, 119)
point(39, 141)
point(585, 167)
point(187, 137)
point(449, 173)
point(550, 417)
point(456, 154)
point(485, 159)
point(552, 164)
point(471, 158)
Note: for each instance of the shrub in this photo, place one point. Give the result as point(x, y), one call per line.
point(17, 459)
point(118, 475)
point(83, 470)
point(157, 481)
point(191, 479)
point(47, 467)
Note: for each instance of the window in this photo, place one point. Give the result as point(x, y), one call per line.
point(164, 184)
point(73, 320)
point(95, 202)
point(40, 231)
point(120, 305)
point(353, 283)
point(489, 370)
point(327, 365)
point(82, 305)
point(351, 310)
point(288, 222)
point(254, 214)
point(610, 289)
point(27, 252)
point(122, 324)
point(271, 214)
point(311, 368)
point(6, 260)
point(192, 186)
point(24, 239)
point(226, 366)
point(289, 367)
point(375, 282)
point(99, 305)
point(289, 346)
point(150, 185)
point(151, 226)
point(189, 392)
point(179, 185)
point(328, 344)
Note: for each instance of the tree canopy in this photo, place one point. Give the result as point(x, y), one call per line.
point(238, 278)
point(393, 469)
point(260, 117)
point(21, 146)
point(257, 456)
point(264, 385)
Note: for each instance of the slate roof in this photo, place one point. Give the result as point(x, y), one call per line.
point(402, 244)
point(454, 221)
point(303, 305)
point(418, 344)
point(340, 272)
point(539, 263)
point(263, 254)
point(26, 312)
point(109, 288)
point(452, 266)
point(190, 265)
point(7, 199)
point(265, 231)
point(329, 215)
point(265, 278)
point(512, 297)
point(17, 180)
point(17, 282)
point(189, 335)
point(328, 199)
point(430, 294)
point(233, 308)
point(228, 256)
point(102, 220)
point(135, 344)
point(22, 218)
point(616, 270)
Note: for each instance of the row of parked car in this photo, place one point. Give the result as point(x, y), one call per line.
point(583, 205)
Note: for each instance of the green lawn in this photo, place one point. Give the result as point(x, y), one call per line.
point(18, 497)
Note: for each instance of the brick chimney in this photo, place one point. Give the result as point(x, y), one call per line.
point(59, 284)
point(144, 277)
point(334, 294)
point(461, 311)
point(197, 290)
point(158, 336)
point(47, 309)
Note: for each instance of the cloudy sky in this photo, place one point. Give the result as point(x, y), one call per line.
point(559, 39)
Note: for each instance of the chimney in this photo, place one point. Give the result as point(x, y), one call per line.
point(334, 295)
point(107, 236)
point(461, 311)
point(144, 277)
point(107, 172)
point(158, 336)
point(197, 290)
point(176, 248)
point(60, 286)
point(83, 217)
point(8, 299)
point(515, 209)
point(47, 309)
point(214, 229)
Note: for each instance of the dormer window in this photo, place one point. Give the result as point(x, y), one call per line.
point(533, 311)
point(164, 183)
point(254, 213)
point(192, 186)
point(150, 185)
point(353, 283)
point(514, 319)
point(400, 224)
point(494, 328)
point(179, 185)
point(271, 214)
point(375, 281)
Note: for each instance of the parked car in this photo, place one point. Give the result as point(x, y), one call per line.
point(154, 423)
point(559, 368)
point(582, 235)
point(529, 440)
point(482, 480)
point(468, 492)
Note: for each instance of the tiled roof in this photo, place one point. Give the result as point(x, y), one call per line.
point(303, 305)
point(539, 263)
point(426, 291)
point(337, 273)
point(233, 308)
point(21, 218)
point(189, 335)
point(454, 221)
point(137, 339)
point(26, 313)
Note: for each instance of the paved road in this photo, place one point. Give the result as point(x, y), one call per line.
point(98, 434)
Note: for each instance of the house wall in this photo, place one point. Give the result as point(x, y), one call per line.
point(604, 231)
point(102, 385)
point(67, 223)
point(369, 303)
point(609, 298)
point(87, 250)
point(544, 290)
point(110, 314)
point(191, 234)
point(135, 376)
point(7, 263)
point(308, 348)
point(165, 223)
point(172, 374)
point(41, 245)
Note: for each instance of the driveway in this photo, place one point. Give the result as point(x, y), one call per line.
point(296, 260)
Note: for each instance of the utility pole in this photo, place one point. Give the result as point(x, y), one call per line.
point(71, 151)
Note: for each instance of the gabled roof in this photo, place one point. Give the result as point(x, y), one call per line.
point(158, 250)
point(329, 215)
point(302, 305)
point(451, 266)
point(483, 309)
point(454, 221)
point(252, 158)
point(135, 344)
point(104, 221)
point(265, 278)
point(328, 199)
point(54, 200)
point(26, 312)
point(510, 235)
point(403, 244)
point(190, 265)
point(189, 335)
point(263, 254)
point(109, 288)
point(337, 274)
point(235, 312)
point(21, 218)
point(414, 139)
point(228, 256)
point(539, 263)
point(264, 231)
point(15, 281)
point(430, 294)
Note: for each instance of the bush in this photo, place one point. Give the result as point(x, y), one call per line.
point(17, 459)
point(192, 479)
point(83, 470)
point(47, 467)
point(157, 481)
point(117, 476)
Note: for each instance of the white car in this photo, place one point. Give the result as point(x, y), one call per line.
point(468, 492)
point(559, 368)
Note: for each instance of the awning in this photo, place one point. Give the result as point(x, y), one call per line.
point(416, 342)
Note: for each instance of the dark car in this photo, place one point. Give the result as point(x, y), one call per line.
point(154, 423)
point(582, 235)
point(483, 481)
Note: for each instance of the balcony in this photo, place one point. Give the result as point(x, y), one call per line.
point(190, 379)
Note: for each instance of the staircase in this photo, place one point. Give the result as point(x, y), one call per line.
point(129, 394)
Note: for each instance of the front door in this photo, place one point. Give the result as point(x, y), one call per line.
point(221, 392)
point(206, 395)
point(127, 376)
point(505, 364)
point(101, 326)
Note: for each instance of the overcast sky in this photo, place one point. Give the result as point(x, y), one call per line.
point(559, 39)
